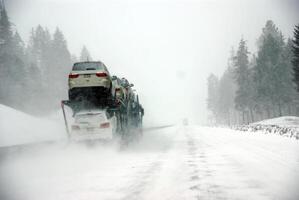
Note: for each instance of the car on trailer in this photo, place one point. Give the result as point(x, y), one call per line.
point(128, 88)
point(92, 125)
point(89, 80)
point(118, 91)
point(102, 106)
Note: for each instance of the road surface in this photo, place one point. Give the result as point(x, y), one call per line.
point(182, 162)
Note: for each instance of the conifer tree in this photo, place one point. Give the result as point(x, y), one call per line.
point(213, 94)
point(6, 50)
point(226, 96)
point(242, 76)
point(85, 55)
point(295, 59)
point(286, 88)
point(39, 56)
point(227, 90)
point(12, 64)
point(60, 64)
point(74, 58)
point(269, 70)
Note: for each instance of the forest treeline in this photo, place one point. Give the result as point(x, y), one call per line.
point(260, 85)
point(34, 75)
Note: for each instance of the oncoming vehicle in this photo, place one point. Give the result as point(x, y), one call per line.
point(89, 80)
point(94, 124)
point(185, 122)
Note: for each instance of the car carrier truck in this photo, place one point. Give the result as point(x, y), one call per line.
point(94, 92)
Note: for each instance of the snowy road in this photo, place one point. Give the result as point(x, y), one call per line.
point(174, 163)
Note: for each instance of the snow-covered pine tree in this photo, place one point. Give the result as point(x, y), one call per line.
point(286, 85)
point(226, 97)
point(39, 56)
point(85, 55)
point(227, 89)
point(5, 54)
point(295, 59)
point(18, 72)
point(11, 62)
point(213, 95)
point(74, 58)
point(60, 66)
point(242, 77)
point(269, 71)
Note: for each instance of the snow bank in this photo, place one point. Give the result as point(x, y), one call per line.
point(281, 121)
point(19, 128)
point(287, 126)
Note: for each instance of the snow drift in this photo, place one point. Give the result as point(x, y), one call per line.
point(287, 126)
point(281, 121)
point(19, 128)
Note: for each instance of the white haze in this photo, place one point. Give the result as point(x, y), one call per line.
point(166, 48)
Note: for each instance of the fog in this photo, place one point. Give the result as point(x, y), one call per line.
point(166, 48)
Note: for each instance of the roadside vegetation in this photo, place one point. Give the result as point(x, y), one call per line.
point(36, 71)
point(257, 85)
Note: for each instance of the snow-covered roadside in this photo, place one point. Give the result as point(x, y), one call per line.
point(188, 162)
point(19, 128)
point(289, 121)
point(287, 126)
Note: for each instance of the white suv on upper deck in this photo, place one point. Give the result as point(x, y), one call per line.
point(89, 79)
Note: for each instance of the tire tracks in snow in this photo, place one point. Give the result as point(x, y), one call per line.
point(144, 177)
point(201, 176)
point(139, 185)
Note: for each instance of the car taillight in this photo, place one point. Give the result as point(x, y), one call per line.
point(73, 75)
point(105, 125)
point(117, 89)
point(75, 127)
point(101, 74)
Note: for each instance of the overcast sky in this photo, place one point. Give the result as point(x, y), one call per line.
point(167, 48)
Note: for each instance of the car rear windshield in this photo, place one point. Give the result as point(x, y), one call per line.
point(90, 117)
point(88, 66)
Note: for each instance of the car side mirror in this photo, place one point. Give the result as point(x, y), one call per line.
point(131, 85)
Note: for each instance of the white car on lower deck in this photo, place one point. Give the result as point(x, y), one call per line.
point(91, 125)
